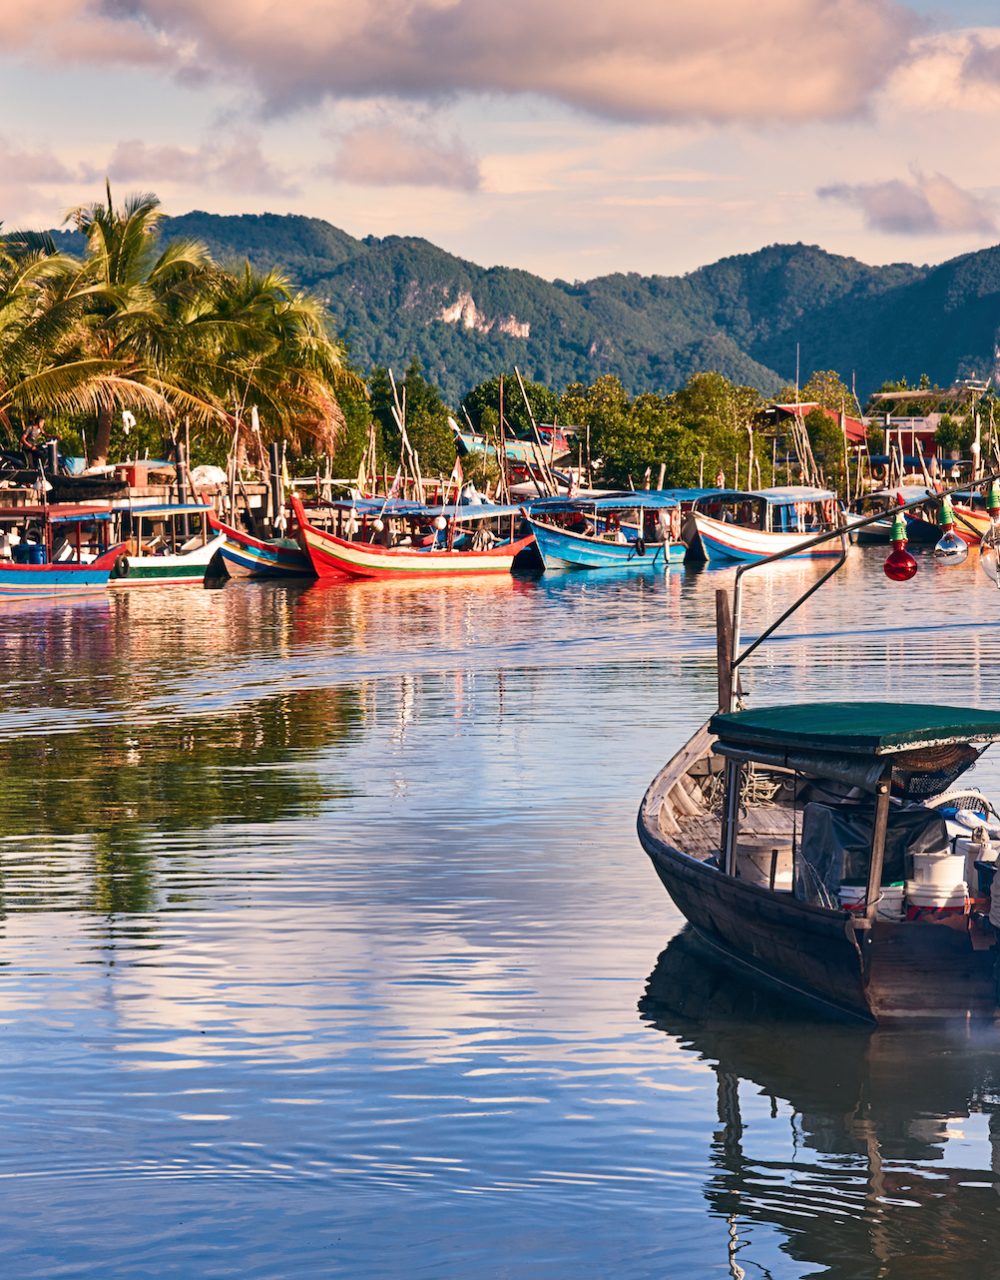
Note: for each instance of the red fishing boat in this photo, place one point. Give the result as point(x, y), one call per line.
point(462, 553)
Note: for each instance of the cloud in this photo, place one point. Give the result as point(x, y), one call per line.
point(386, 156)
point(982, 61)
point(83, 31)
point(687, 60)
point(957, 70)
point(930, 204)
point(240, 164)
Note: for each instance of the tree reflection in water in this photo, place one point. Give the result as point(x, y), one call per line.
point(101, 800)
point(860, 1160)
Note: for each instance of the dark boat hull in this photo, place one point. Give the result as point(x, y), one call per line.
point(805, 950)
point(911, 969)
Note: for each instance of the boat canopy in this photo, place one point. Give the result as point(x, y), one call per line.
point(856, 728)
point(397, 509)
point(641, 499)
point(55, 513)
point(782, 496)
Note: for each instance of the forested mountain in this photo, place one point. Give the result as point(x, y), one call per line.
point(400, 297)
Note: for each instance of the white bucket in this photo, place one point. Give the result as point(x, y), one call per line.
point(852, 896)
point(890, 902)
point(973, 851)
point(938, 896)
point(940, 871)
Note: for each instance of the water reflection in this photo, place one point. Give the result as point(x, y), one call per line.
point(877, 1154)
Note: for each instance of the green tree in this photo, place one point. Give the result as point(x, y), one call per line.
point(954, 434)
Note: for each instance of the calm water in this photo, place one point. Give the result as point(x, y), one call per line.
point(328, 947)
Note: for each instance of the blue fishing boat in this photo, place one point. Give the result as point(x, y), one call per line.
point(631, 530)
point(59, 550)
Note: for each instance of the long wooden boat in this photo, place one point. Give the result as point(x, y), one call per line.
point(167, 545)
point(758, 823)
point(335, 557)
point(248, 557)
point(631, 531)
point(748, 526)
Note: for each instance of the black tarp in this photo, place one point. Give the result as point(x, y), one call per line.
point(836, 840)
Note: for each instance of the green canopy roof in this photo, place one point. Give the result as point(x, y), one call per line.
point(861, 728)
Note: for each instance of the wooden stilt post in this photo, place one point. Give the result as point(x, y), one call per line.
point(724, 648)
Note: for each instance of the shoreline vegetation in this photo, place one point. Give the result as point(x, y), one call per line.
point(143, 338)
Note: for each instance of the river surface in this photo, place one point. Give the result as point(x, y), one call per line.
point(327, 947)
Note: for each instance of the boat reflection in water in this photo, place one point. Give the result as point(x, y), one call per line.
point(854, 1153)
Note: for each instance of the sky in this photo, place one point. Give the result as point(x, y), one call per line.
point(571, 138)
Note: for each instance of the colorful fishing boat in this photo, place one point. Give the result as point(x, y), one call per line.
point(169, 544)
point(449, 549)
point(748, 526)
point(245, 556)
point(55, 551)
point(635, 531)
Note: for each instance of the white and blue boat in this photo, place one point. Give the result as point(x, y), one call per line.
point(632, 530)
point(748, 526)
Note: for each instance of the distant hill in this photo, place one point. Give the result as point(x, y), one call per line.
point(401, 296)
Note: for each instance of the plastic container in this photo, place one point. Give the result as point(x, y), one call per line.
point(890, 903)
point(852, 896)
point(941, 871)
point(937, 897)
point(985, 871)
point(754, 859)
point(36, 553)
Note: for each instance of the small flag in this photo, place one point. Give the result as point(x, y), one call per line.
point(456, 473)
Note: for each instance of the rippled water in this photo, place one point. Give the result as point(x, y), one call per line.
point(327, 946)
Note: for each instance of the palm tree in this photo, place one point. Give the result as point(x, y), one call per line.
point(141, 325)
point(44, 360)
point(133, 287)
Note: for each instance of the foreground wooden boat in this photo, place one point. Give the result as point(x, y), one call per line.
point(336, 557)
point(752, 525)
point(633, 531)
point(769, 822)
point(248, 557)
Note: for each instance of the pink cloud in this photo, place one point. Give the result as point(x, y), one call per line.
point(240, 163)
point(713, 60)
point(387, 156)
point(930, 204)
